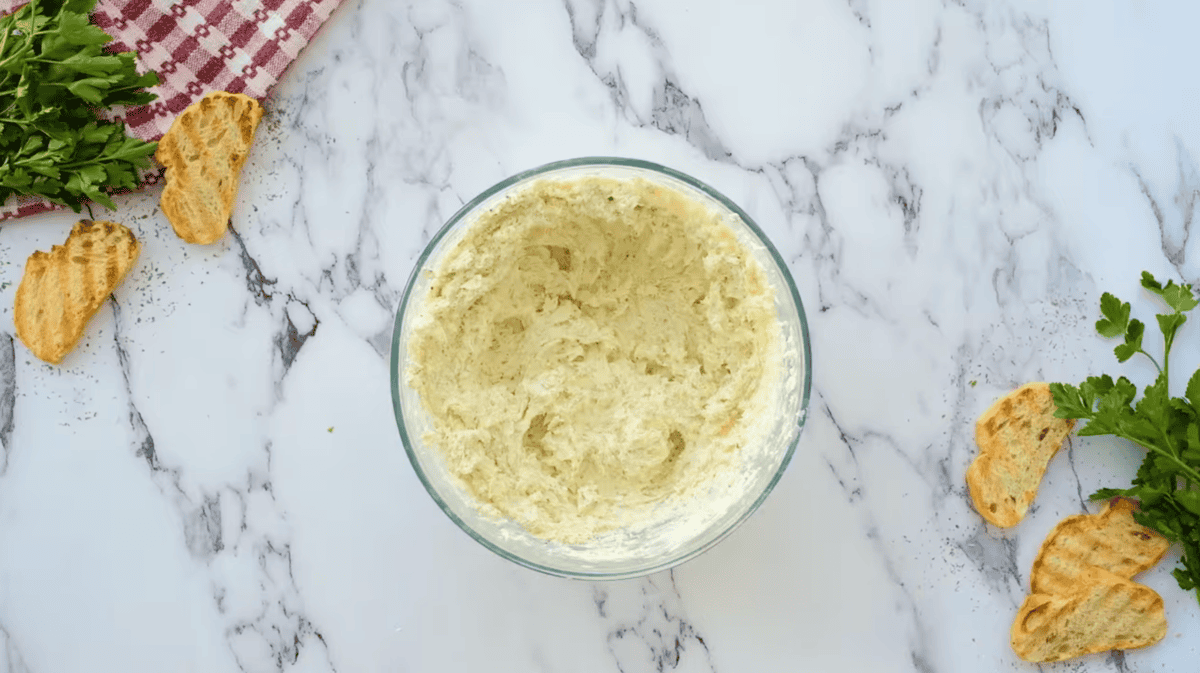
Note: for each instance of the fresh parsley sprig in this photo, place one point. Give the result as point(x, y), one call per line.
point(54, 78)
point(1168, 428)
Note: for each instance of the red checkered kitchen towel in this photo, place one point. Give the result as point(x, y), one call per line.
point(196, 46)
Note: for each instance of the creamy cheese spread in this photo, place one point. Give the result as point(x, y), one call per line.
point(590, 348)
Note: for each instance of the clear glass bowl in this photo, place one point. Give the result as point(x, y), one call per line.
point(616, 554)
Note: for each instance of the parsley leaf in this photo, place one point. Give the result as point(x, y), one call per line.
point(1116, 323)
point(1167, 483)
point(1116, 316)
point(1178, 297)
point(54, 77)
point(1133, 341)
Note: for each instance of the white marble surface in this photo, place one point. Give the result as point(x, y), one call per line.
point(213, 480)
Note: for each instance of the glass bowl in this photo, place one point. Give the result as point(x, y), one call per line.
point(618, 553)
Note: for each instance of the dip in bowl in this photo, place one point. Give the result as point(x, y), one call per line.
point(600, 367)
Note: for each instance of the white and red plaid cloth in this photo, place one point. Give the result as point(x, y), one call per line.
point(197, 46)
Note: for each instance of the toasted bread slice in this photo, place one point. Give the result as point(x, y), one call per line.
point(1105, 612)
point(1111, 540)
point(1017, 437)
point(62, 290)
point(203, 153)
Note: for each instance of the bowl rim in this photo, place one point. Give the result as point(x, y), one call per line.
point(586, 162)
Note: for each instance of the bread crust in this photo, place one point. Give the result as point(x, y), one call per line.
point(203, 153)
point(61, 290)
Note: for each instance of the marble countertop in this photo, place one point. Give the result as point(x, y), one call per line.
point(213, 480)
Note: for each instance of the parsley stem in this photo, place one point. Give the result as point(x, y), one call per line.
point(1156, 365)
point(1166, 374)
point(1188, 471)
